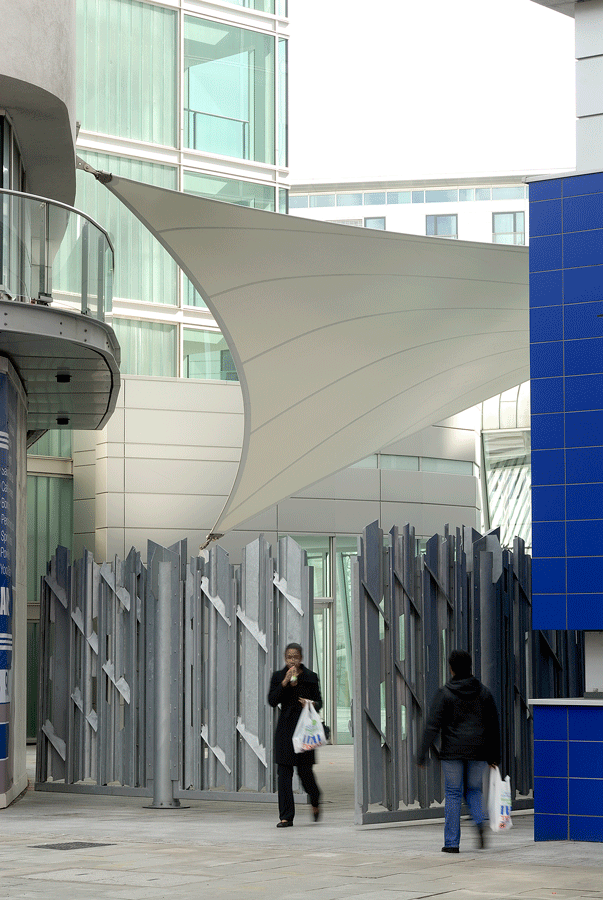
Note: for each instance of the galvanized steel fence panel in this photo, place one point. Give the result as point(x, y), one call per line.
point(410, 611)
point(229, 628)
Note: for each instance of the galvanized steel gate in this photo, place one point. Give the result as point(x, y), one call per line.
point(229, 627)
point(410, 611)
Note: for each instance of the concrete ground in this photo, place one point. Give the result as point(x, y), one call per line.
point(230, 850)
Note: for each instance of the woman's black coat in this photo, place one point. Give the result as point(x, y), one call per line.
point(307, 686)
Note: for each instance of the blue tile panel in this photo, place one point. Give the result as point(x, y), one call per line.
point(568, 773)
point(566, 367)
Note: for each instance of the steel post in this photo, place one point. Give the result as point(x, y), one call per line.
point(162, 783)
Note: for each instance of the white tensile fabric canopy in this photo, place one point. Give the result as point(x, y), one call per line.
point(345, 339)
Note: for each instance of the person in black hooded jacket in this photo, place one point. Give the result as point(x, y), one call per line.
point(464, 714)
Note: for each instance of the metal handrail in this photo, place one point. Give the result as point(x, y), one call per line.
point(71, 209)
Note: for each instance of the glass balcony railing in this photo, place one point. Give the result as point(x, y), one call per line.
point(53, 254)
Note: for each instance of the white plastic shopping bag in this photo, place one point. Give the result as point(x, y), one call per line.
point(309, 732)
point(499, 801)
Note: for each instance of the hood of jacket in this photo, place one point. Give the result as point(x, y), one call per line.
point(465, 688)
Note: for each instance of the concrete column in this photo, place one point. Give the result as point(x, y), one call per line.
point(589, 85)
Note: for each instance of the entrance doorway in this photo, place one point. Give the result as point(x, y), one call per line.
point(332, 559)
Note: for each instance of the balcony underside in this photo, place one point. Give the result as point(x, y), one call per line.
point(68, 363)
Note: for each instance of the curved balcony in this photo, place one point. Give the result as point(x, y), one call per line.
point(50, 252)
point(56, 281)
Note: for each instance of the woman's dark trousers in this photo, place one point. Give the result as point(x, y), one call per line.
point(286, 804)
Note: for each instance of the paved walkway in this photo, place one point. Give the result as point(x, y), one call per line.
point(230, 850)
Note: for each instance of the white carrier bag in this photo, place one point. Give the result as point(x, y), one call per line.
point(309, 732)
point(499, 801)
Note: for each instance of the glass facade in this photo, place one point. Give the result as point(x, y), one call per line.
point(49, 523)
point(128, 70)
point(441, 226)
point(230, 190)
point(229, 89)
point(55, 443)
point(150, 275)
point(148, 348)
point(508, 228)
point(156, 84)
point(206, 355)
point(429, 195)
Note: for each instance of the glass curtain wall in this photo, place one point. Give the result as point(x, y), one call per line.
point(333, 560)
point(205, 354)
point(49, 523)
point(507, 469)
point(229, 90)
point(150, 275)
point(148, 348)
point(128, 70)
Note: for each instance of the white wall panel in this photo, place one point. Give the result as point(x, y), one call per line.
point(84, 487)
point(326, 516)
point(179, 476)
point(589, 86)
point(211, 396)
point(158, 511)
point(175, 427)
point(589, 144)
point(350, 484)
point(589, 28)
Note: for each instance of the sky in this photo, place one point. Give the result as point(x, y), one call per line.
point(403, 89)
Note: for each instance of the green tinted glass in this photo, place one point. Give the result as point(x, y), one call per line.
point(230, 190)
point(206, 355)
point(127, 69)
point(147, 348)
point(49, 523)
point(54, 443)
point(229, 87)
point(144, 270)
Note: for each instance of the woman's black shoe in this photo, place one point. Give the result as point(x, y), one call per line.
point(316, 813)
point(450, 849)
point(285, 823)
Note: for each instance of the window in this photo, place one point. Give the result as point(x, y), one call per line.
point(229, 90)
point(231, 190)
point(482, 193)
point(442, 196)
point(206, 355)
point(319, 200)
point(147, 348)
point(516, 192)
point(398, 196)
point(508, 228)
point(299, 201)
point(357, 222)
point(349, 199)
point(151, 275)
point(466, 194)
point(442, 226)
point(127, 69)
point(375, 198)
point(377, 222)
point(418, 196)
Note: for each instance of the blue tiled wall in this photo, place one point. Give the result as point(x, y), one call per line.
point(566, 364)
point(568, 773)
point(566, 349)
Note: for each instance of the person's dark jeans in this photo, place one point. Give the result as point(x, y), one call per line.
point(461, 777)
point(286, 803)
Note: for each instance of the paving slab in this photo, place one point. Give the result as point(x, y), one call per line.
point(215, 849)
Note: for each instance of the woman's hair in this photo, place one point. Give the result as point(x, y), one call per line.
point(295, 647)
point(460, 663)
